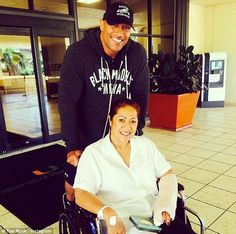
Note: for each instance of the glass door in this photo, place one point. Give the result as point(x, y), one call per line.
point(20, 115)
point(30, 62)
point(52, 51)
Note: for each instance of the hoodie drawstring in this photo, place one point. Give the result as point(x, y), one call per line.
point(112, 86)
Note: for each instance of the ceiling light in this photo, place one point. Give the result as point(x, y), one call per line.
point(87, 1)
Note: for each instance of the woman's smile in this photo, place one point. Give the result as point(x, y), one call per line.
point(125, 133)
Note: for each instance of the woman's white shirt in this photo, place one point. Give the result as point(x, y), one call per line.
point(128, 190)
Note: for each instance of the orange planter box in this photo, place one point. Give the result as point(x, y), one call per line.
point(172, 111)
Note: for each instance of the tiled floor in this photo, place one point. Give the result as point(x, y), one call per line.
point(204, 157)
point(21, 113)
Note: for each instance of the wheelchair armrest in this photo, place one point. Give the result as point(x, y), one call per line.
point(180, 187)
point(86, 213)
point(200, 219)
point(181, 193)
point(90, 221)
point(186, 208)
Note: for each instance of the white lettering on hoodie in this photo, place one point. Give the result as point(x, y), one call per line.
point(115, 83)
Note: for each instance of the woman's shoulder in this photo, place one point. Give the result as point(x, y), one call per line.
point(98, 150)
point(142, 140)
point(95, 146)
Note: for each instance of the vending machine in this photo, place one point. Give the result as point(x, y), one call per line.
point(214, 78)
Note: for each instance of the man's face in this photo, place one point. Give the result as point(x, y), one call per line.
point(114, 37)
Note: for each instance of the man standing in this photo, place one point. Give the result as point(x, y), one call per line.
point(104, 66)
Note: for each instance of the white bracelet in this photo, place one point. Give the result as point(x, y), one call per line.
point(100, 213)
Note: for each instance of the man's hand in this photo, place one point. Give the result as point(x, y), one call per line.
point(73, 157)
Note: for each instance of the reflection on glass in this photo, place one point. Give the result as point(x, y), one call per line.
point(163, 17)
point(163, 25)
point(142, 40)
point(165, 45)
point(22, 4)
point(52, 52)
point(56, 6)
point(140, 16)
point(90, 14)
point(18, 88)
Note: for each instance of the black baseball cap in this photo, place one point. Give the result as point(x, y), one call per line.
point(119, 13)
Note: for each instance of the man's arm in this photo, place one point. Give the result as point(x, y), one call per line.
point(70, 92)
point(141, 85)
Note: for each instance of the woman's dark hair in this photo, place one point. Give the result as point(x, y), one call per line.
point(122, 103)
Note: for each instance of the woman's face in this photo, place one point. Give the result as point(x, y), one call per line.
point(124, 124)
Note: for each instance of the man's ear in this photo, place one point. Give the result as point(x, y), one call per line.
point(109, 119)
point(102, 24)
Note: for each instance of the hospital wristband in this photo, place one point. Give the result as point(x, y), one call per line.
point(100, 214)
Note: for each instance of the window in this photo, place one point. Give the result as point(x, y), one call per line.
point(90, 14)
point(162, 25)
point(22, 4)
point(56, 6)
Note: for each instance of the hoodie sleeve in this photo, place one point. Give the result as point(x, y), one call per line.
point(141, 82)
point(70, 92)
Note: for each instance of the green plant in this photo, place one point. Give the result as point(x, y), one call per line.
point(176, 76)
point(14, 62)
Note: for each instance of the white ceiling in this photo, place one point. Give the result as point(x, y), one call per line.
point(211, 2)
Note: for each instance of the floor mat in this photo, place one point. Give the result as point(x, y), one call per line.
point(32, 184)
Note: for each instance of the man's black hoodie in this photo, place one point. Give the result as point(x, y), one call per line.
point(90, 81)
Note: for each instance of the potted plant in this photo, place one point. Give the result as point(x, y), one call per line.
point(175, 88)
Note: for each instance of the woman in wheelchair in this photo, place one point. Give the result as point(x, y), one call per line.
point(116, 177)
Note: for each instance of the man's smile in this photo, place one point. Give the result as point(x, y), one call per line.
point(117, 39)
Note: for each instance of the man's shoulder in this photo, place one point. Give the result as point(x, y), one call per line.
point(136, 45)
point(79, 44)
point(78, 48)
point(135, 48)
point(88, 39)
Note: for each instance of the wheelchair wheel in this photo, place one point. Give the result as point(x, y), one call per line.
point(75, 221)
point(65, 225)
point(68, 222)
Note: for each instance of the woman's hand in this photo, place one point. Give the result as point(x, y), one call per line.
point(161, 217)
point(165, 203)
point(166, 218)
point(116, 227)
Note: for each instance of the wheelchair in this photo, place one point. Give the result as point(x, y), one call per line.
point(76, 220)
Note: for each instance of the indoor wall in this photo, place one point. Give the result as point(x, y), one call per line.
point(211, 29)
